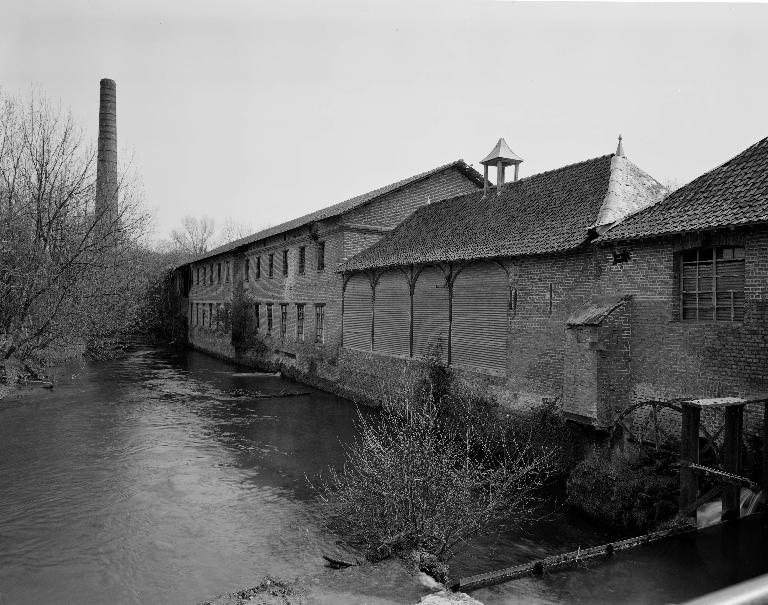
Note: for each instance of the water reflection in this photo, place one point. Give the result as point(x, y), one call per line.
point(145, 481)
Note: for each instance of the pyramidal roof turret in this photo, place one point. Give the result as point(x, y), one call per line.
point(501, 156)
point(501, 152)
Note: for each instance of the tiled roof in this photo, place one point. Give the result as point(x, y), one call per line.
point(733, 194)
point(548, 212)
point(340, 208)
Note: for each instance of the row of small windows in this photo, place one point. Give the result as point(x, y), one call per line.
point(203, 315)
point(300, 320)
point(319, 262)
point(206, 273)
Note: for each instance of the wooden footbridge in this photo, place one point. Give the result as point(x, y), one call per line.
point(729, 487)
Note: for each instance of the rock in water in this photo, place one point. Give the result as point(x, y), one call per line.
point(448, 598)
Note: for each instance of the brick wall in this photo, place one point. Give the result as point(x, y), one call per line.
point(642, 352)
point(313, 286)
point(392, 209)
point(343, 236)
point(580, 383)
point(673, 358)
point(614, 374)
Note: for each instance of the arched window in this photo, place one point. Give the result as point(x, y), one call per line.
point(712, 284)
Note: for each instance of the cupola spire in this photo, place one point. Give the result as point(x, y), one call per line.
point(501, 156)
point(620, 149)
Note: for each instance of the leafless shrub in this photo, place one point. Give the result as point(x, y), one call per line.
point(416, 479)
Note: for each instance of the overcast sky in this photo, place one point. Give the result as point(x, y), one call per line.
point(265, 111)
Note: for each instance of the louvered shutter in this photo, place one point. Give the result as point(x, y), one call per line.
point(392, 315)
point(430, 313)
point(479, 326)
point(358, 309)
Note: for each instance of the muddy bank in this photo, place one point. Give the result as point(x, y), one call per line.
point(390, 582)
point(276, 592)
point(268, 592)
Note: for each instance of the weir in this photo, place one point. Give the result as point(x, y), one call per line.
point(564, 560)
point(734, 501)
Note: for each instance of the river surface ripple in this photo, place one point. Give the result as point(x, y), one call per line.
point(160, 477)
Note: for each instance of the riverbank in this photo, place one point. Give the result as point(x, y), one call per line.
point(344, 586)
point(61, 364)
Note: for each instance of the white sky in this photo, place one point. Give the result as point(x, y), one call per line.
point(265, 111)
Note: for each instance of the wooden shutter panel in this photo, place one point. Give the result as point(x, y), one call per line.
point(358, 310)
point(392, 316)
point(479, 327)
point(430, 313)
point(730, 290)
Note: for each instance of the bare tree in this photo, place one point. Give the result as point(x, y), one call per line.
point(233, 230)
point(195, 236)
point(66, 274)
point(671, 184)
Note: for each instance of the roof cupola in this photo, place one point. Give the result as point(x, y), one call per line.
point(501, 156)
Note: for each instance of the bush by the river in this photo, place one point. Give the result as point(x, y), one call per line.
point(629, 495)
point(429, 472)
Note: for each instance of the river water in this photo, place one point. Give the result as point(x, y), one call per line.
point(171, 477)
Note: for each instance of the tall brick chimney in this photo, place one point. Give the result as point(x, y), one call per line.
point(106, 160)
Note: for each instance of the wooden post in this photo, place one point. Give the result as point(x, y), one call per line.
point(734, 416)
point(343, 289)
point(689, 452)
point(373, 314)
point(450, 317)
point(411, 288)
